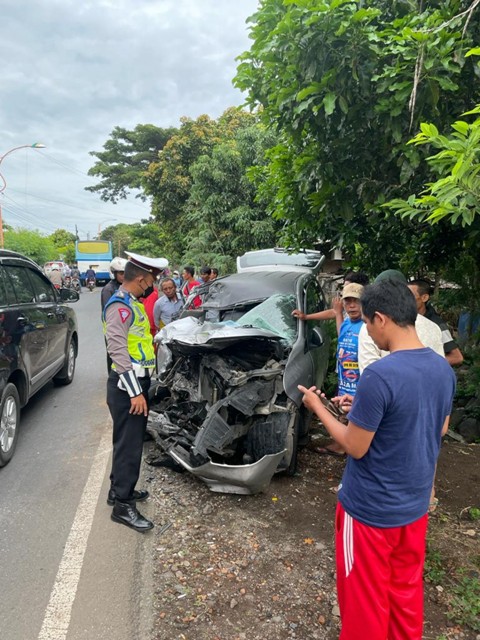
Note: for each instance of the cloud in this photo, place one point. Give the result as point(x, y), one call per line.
point(73, 71)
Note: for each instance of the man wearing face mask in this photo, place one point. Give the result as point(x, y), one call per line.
point(129, 344)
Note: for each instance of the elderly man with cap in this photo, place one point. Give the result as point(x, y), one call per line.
point(129, 344)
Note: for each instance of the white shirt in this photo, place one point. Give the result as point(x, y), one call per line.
point(428, 333)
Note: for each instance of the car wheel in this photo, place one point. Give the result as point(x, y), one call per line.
point(65, 375)
point(9, 421)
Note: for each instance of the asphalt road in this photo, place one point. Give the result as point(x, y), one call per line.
point(66, 571)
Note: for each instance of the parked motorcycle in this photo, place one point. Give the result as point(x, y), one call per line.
point(91, 284)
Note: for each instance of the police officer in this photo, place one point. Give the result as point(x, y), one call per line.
point(117, 269)
point(129, 344)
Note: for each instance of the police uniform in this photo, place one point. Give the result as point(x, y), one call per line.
point(130, 346)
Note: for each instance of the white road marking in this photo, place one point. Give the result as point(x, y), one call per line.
point(59, 609)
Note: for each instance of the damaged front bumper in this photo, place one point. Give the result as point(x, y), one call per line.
point(221, 411)
point(243, 479)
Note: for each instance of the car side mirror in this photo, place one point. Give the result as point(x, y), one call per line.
point(316, 339)
point(69, 295)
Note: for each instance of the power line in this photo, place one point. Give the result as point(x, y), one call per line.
point(74, 206)
point(25, 219)
point(76, 171)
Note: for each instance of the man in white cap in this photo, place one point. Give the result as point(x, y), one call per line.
point(117, 269)
point(129, 344)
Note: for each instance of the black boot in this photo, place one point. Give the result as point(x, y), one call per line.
point(126, 513)
point(138, 496)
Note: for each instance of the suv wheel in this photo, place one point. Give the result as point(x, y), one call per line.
point(9, 421)
point(66, 373)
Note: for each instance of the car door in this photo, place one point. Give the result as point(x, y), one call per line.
point(316, 338)
point(28, 323)
point(307, 363)
point(56, 318)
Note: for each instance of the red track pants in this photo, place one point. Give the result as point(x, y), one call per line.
point(380, 579)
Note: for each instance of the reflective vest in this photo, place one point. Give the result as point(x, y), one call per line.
point(139, 339)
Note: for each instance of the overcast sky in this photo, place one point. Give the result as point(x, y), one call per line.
point(72, 71)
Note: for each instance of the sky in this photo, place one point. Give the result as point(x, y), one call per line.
point(72, 71)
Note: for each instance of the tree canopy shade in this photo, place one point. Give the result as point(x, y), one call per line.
point(344, 84)
point(126, 157)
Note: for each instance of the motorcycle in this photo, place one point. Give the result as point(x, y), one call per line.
point(76, 284)
point(91, 284)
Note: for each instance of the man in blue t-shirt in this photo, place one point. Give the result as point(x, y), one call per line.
point(347, 344)
point(400, 411)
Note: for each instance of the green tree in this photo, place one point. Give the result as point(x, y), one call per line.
point(120, 236)
point(126, 157)
point(343, 84)
point(224, 214)
point(62, 238)
point(31, 244)
point(64, 242)
point(455, 195)
point(144, 237)
point(177, 201)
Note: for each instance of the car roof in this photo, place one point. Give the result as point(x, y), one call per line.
point(279, 259)
point(250, 286)
point(6, 255)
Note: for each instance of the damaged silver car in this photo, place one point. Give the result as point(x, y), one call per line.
point(226, 406)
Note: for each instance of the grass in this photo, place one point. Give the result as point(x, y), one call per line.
point(434, 571)
point(462, 589)
point(465, 602)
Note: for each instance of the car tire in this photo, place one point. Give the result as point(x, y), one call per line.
point(67, 372)
point(9, 421)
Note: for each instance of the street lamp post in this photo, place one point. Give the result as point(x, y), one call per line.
point(102, 222)
point(3, 184)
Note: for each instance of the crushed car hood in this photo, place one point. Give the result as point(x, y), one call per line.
point(210, 335)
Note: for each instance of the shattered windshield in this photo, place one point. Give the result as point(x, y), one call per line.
point(274, 314)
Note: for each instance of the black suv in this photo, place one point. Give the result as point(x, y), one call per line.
point(38, 340)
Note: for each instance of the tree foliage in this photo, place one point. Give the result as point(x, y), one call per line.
point(222, 206)
point(126, 157)
point(30, 243)
point(202, 199)
point(144, 237)
point(455, 195)
point(64, 243)
point(343, 84)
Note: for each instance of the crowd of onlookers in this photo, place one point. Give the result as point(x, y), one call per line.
point(171, 292)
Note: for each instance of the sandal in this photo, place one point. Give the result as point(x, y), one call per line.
point(324, 451)
point(433, 505)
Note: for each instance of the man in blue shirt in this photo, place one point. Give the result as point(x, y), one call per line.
point(399, 413)
point(168, 306)
point(347, 345)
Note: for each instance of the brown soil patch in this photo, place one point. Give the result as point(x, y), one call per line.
point(262, 567)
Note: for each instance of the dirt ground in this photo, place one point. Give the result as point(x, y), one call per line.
point(262, 567)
